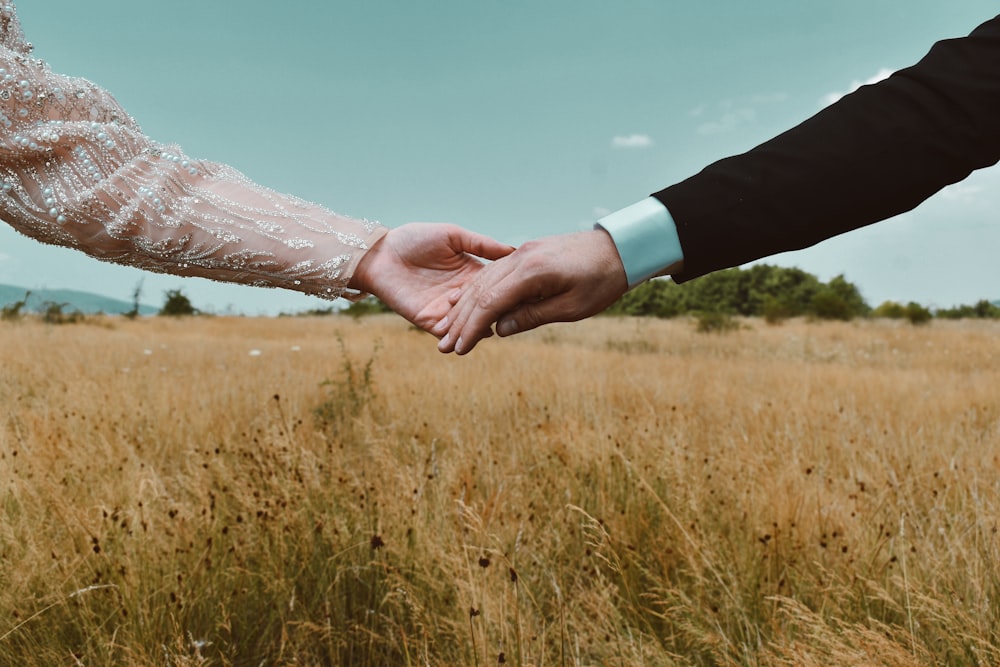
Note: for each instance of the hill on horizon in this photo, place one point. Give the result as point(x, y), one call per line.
point(87, 303)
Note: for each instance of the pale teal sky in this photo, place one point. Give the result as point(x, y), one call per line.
point(502, 115)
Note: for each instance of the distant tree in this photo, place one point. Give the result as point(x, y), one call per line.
point(368, 306)
point(136, 294)
point(986, 309)
point(777, 292)
point(982, 309)
point(55, 313)
point(720, 291)
point(890, 310)
point(177, 304)
point(773, 292)
point(12, 311)
point(917, 314)
point(318, 312)
point(653, 298)
point(827, 305)
point(777, 309)
point(839, 300)
point(715, 322)
point(955, 313)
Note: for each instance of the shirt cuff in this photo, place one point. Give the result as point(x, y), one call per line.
point(646, 237)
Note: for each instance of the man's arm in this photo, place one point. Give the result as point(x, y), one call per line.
point(874, 154)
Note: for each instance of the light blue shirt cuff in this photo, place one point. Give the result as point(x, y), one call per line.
point(646, 237)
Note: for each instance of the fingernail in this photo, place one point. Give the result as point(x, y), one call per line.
point(456, 295)
point(443, 343)
point(507, 327)
point(442, 325)
point(459, 348)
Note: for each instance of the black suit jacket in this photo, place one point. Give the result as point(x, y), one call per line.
point(876, 153)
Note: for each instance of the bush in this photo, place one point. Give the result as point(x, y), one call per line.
point(839, 300)
point(368, 306)
point(913, 311)
point(715, 322)
point(890, 310)
point(54, 313)
point(133, 312)
point(776, 310)
point(13, 311)
point(177, 304)
point(983, 309)
point(827, 305)
point(773, 292)
point(917, 314)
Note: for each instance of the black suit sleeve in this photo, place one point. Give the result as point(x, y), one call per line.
point(876, 153)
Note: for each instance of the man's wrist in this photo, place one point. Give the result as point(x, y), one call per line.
point(610, 257)
point(646, 238)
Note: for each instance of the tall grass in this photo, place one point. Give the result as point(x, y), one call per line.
point(623, 492)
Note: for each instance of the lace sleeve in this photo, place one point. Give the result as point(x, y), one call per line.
point(76, 170)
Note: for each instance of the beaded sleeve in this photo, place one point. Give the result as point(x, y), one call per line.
point(76, 170)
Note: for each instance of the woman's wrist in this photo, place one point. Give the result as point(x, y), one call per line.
point(363, 279)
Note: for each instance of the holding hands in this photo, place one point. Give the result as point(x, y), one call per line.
point(431, 274)
point(556, 279)
point(415, 268)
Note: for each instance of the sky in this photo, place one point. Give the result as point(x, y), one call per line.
point(515, 118)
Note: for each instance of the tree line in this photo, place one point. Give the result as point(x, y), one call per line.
point(775, 293)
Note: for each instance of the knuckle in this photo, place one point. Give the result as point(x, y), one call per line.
point(488, 299)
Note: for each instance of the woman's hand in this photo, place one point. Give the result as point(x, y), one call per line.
point(414, 268)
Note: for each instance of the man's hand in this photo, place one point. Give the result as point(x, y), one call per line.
point(555, 279)
point(414, 268)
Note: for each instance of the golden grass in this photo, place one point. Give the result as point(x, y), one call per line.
point(614, 492)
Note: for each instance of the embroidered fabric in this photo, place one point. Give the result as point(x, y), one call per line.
point(76, 170)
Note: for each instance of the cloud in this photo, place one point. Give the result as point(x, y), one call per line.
point(835, 96)
point(632, 141)
point(961, 192)
point(728, 122)
point(734, 113)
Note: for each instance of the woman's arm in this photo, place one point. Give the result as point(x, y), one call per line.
point(76, 170)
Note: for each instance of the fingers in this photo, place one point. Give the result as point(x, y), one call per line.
point(480, 245)
point(529, 316)
point(511, 319)
point(557, 279)
point(567, 306)
point(495, 292)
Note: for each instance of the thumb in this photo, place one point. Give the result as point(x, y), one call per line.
point(531, 316)
point(480, 245)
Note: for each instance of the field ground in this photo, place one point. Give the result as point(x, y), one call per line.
point(324, 491)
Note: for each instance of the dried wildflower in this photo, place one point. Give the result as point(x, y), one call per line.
point(484, 562)
point(377, 542)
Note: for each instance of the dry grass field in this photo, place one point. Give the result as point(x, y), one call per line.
point(324, 491)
